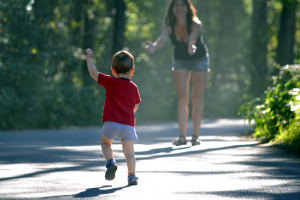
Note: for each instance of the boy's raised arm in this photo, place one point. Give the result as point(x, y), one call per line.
point(90, 63)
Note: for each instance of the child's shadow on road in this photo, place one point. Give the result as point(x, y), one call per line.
point(93, 192)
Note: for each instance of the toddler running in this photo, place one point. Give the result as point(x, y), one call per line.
point(121, 102)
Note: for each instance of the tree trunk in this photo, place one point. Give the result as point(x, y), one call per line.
point(286, 35)
point(258, 52)
point(76, 11)
point(119, 26)
point(88, 38)
point(75, 23)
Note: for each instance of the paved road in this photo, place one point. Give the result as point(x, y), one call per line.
point(68, 164)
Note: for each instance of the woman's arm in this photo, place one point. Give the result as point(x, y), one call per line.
point(90, 63)
point(196, 29)
point(160, 42)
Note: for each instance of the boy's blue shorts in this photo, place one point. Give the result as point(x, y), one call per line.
point(113, 130)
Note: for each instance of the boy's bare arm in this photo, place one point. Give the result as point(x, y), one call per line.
point(135, 108)
point(90, 63)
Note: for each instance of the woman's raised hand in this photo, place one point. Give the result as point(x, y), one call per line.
point(149, 47)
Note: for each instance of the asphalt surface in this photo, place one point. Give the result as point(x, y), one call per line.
point(68, 164)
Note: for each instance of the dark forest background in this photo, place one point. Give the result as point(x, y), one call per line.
point(44, 82)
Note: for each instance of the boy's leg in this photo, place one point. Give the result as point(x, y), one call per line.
point(128, 150)
point(106, 147)
point(108, 154)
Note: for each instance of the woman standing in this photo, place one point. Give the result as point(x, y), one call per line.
point(190, 60)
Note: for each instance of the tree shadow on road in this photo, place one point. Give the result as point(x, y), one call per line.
point(159, 152)
point(258, 194)
point(173, 152)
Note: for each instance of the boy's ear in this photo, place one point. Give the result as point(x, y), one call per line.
point(132, 71)
point(113, 71)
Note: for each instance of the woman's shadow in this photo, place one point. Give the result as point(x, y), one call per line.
point(93, 192)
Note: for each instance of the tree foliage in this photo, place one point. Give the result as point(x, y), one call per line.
point(43, 77)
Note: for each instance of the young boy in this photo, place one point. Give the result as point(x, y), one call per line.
point(121, 102)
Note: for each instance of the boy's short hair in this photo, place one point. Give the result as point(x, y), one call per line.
point(122, 62)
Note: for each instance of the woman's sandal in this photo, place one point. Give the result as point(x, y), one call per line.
point(180, 141)
point(195, 141)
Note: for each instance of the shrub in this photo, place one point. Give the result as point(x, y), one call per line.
point(276, 116)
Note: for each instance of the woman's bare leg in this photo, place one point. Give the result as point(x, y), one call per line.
point(182, 79)
point(198, 87)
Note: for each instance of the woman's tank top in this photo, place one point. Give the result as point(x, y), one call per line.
point(181, 48)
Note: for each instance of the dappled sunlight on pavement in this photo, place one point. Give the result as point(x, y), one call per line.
point(68, 164)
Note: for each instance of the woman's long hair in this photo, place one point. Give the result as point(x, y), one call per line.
point(170, 19)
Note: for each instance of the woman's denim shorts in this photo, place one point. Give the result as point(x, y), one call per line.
point(192, 65)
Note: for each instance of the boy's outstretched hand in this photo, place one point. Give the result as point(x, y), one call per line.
point(89, 53)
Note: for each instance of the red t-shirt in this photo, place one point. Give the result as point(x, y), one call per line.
point(121, 95)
